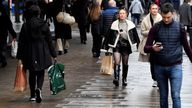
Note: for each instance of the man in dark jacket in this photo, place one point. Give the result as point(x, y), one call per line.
point(5, 27)
point(169, 37)
point(108, 16)
point(80, 12)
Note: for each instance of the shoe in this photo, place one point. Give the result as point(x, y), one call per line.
point(116, 82)
point(38, 95)
point(32, 99)
point(65, 51)
point(155, 84)
point(59, 52)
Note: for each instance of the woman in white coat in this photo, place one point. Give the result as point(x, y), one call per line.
point(146, 24)
point(127, 33)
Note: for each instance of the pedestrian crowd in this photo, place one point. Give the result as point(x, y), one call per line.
point(113, 33)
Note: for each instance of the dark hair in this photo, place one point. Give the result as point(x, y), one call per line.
point(167, 7)
point(34, 10)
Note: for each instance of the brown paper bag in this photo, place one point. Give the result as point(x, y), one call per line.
point(59, 45)
point(107, 65)
point(20, 84)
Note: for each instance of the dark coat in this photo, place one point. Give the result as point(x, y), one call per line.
point(35, 46)
point(80, 11)
point(62, 30)
point(5, 25)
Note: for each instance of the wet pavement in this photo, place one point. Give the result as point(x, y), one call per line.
point(87, 88)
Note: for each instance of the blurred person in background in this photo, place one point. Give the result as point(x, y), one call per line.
point(95, 21)
point(146, 24)
point(5, 27)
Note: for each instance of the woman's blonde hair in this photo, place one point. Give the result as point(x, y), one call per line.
point(95, 11)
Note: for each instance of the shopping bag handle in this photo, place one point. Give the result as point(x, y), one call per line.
point(55, 61)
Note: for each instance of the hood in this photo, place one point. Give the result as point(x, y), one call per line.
point(35, 25)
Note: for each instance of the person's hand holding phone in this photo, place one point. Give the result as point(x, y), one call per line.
point(157, 47)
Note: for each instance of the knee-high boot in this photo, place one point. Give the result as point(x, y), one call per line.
point(116, 75)
point(124, 75)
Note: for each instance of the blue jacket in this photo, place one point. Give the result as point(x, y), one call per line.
point(108, 16)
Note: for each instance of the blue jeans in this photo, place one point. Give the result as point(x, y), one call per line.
point(135, 18)
point(174, 75)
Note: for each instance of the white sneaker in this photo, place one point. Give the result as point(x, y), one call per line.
point(154, 84)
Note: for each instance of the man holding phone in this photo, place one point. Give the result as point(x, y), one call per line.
point(168, 55)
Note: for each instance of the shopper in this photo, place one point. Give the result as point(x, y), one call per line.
point(127, 37)
point(35, 50)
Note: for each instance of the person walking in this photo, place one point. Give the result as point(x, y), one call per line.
point(95, 21)
point(136, 11)
point(80, 12)
point(146, 24)
point(35, 50)
point(169, 36)
point(185, 14)
point(108, 16)
point(62, 31)
point(5, 27)
point(128, 36)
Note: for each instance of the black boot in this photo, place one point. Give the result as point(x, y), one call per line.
point(116, 75)
point(124, 75)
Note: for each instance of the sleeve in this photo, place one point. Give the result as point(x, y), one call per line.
point(144, 30)
point(149, 43)
point(185, 43)
point(10, 27)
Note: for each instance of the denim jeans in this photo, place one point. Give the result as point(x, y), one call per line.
point(135, 18)
point(172, 74)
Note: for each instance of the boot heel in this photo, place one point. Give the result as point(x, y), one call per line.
point(116, 82)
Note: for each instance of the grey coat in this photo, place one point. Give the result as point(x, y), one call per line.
point(185, 14)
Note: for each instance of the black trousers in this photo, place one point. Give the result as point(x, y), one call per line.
point(151, 61)
point(82, 30)
point(3, 47)
point(36, 78)
point(97, 41)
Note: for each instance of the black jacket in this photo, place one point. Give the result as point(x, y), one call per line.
point(5, 25)
point(35, 46)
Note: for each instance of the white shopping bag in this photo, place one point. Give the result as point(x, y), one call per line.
point(14, 46)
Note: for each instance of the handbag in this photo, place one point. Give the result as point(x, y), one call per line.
point(14, 46)
point(20, 83)
point(64, 17)
point(107, 65)
point(59, 45)
point(68, 19)
point(56, 78)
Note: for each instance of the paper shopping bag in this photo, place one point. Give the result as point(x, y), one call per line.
point(59, 45)
point(107, 65)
